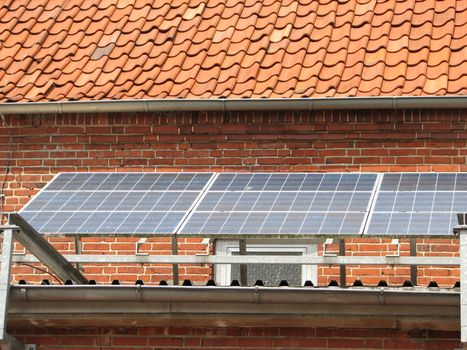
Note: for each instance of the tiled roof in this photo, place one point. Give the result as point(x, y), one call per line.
point(127, 49)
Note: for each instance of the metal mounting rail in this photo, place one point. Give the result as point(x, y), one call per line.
point(251, 259)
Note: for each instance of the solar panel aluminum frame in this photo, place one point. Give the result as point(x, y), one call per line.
point(363, 231)
point(116, 234)
point(449, 233)
point(283, 235)
point(40, 191)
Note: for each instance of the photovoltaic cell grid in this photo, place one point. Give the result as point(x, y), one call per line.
point(283, 203)
point(418, 204)
point(122, 203)
point(256, 204)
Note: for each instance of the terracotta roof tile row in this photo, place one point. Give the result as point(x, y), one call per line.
point(128, 49)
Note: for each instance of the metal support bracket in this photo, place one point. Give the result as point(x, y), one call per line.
point(326, 243)
point(462, 231)
point(207, 243)
point(342, 268)
point(243, 267)
point(463, 254)
point(397, 243)
point(5, 268)
point(7, 341)
point(45, 252)
point(138, 246)
point(175, 272)
point(413, 268)
point(78, 250)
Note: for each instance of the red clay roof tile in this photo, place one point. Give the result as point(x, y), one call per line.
point(89, 49)
point(458, 85)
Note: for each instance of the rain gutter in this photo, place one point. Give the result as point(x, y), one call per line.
point(255, 295)
point(246, 104)
point(361, 307)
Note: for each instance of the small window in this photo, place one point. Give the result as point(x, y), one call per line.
point(270, 274)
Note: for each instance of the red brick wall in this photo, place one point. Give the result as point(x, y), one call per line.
point(33, 148)
point(234, 338)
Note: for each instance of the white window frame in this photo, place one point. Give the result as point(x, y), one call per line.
point(222, 272)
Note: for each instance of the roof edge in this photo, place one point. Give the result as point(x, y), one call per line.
point(246, 104)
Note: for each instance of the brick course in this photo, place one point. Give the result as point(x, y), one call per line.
point(235, 338)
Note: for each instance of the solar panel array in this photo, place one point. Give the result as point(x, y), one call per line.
point(418, 204)
point(283, 204)
point(236, 204)
point(126, 203)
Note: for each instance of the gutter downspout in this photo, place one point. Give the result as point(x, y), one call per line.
point(221, 105)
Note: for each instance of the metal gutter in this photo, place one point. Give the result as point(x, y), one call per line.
point(255, 295)
point(379, 308)
point(246, 104)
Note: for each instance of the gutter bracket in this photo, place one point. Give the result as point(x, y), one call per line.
point(24, 294)
point(139, 293)
point(381, 299)
point(256, 295)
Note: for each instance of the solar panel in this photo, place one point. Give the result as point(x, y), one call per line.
point(261, 204)
point(414, 204)
point(283, 203)
point(122, 203)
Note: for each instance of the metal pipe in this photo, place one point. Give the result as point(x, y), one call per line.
point(5, 268)
point(263, 295)
point(264, 104)
point(463, 297)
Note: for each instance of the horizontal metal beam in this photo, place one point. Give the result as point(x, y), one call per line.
point(45, 252)
point(251, 259)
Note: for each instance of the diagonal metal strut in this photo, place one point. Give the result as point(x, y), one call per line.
point(45, 252)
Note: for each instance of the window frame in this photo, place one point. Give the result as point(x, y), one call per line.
point(225, 247)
